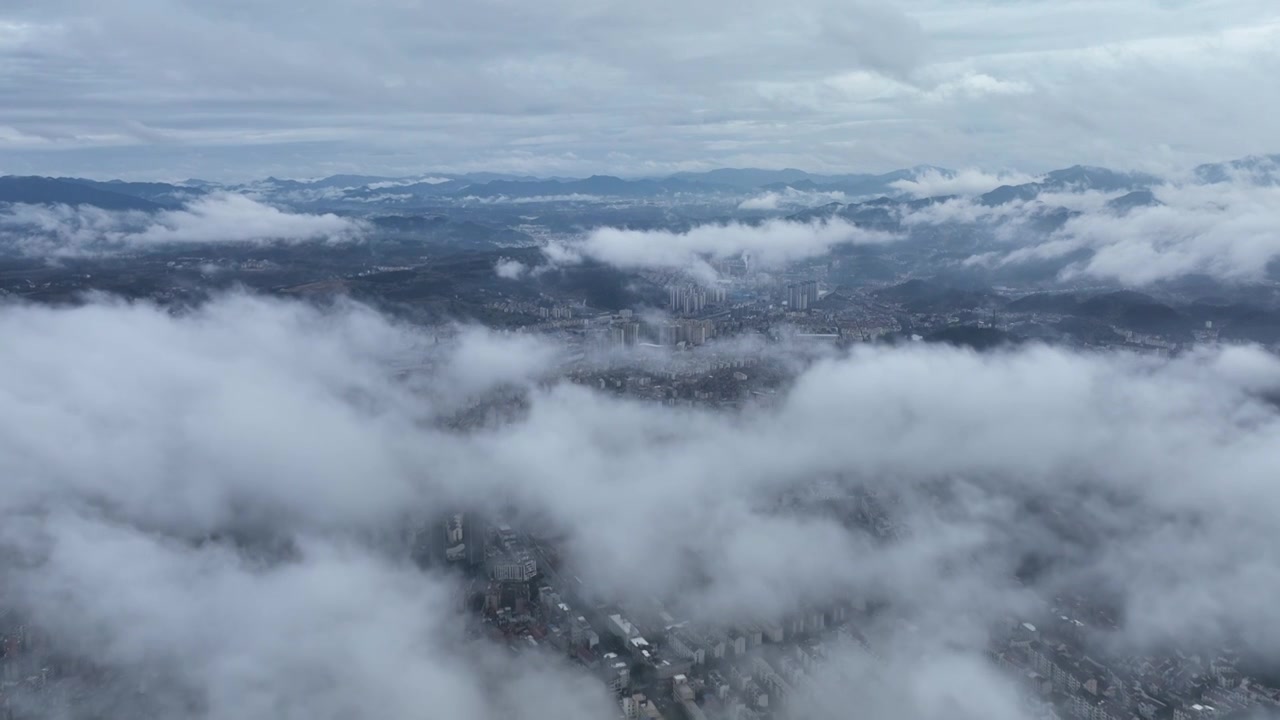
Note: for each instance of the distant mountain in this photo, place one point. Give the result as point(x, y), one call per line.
point(345, 181)
point(596, 185)
point(883, 213)
point(51, 191)
point(1082, 177)
point(857, 185)
point(1075, 178)
point(1125, 309)
point(439, 231)
point(926, 296)
point(1006, 194)
point(1135, 310)
point(166, 194)
point(1260, 169)
point(484, 177)
point(747, 178)
point(1050, 303)
point(1135, 199)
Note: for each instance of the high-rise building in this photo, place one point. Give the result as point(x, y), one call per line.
point(668, 334)
point(624, 333)
point(692, 299)
point(516, 567)
point(802, 295)
point(475, 535)
point(696, 332)
point(430, 543)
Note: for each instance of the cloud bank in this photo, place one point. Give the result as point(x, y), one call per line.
point(790, 198)
point(1225, 230)
point(213, 219)
point(213, 504)
point(510, 269)
point(936, 183)
point(770, 245)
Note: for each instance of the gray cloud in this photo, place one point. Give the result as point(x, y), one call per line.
point(262, 417)
point(818, 84)
point(335, 633)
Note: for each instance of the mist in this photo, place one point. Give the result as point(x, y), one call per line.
point(62, 230)
point(134, 435)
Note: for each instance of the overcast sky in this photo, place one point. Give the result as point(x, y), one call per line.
point(240, 88)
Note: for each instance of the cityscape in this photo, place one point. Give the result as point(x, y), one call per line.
point(915, 360)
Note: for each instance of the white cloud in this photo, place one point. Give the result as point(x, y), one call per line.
point(789, 198)
point(937, 183)
point(510, 269)
point(770, 244)
point(112, 490)
point(217, 218)
point(1228, 231)
point(533, 199)
point(235, 218)
point(1225, 230)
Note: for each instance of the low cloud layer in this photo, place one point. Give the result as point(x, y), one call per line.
point(790, 198)
point(510, 269)
point(140, 477)
point(1225, 230)
point(220, 218)
point(938, 183)
point(768, 245)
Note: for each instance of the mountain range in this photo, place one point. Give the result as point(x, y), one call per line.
point(356, 192)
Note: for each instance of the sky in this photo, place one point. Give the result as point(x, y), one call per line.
point(170, 89)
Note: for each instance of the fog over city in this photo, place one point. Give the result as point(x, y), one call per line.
point(138, 444)
point(915, 360)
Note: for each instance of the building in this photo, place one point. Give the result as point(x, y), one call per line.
point(430, 544)
point(802, 295)
point(692, 299)
point(696, 332)
point(623, 334)
point(516, 567)
point(616, 673)
point(475, 536)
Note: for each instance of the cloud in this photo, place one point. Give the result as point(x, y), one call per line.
point(204, 631)
point(235, 218)
point(937, 183)
point(220, 218)
point(769, 244)
point(480, 360)
point(535, 199)
point(214, 219)
point(510, 269)
point(222, 519)
point(390, 184)
point(1223, 230)
point(828, 86)
point(1227, 231)
point(790, 198)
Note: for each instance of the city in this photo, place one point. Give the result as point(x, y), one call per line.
point(591, 360)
